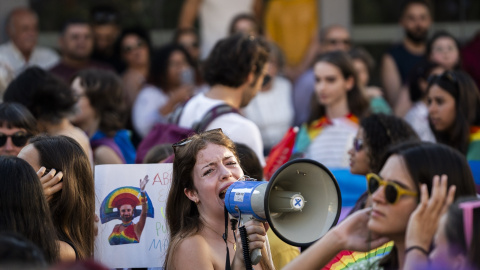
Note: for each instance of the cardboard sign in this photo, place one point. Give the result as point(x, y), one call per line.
point(123, 242)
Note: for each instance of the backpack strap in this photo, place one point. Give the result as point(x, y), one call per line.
point(174, 117)
point(211, 115)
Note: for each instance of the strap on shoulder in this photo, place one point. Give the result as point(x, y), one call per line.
point(211, 115)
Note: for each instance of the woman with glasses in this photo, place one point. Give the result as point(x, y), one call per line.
point(17, 126)
point(409, 170)
point(205, 165)
point(171, 82)
point(335, 108)
point(454, 115)
point(454, 234)
point(375, 135)
point(444, 49)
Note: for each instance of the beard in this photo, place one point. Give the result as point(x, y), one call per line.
point(127, 219)
point(417, 35)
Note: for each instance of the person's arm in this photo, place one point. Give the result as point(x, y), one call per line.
point(351, 234)
point(391, 79)
point(105, 155)
point(423, 222)
point(188, 14)
point(403, 102)
point(257, 10)
point(178, 95)
point(143, 216)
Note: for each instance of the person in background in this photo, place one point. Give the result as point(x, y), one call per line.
point(17, 126)
point(364, 65)
point(171, 82)
point(134, 47)
point(106, 28)
point(244, 23)
point(158, 154)
point(417, 115)
point(76, 45)
point(6, 76)
point(375, 135)
point(214, 17)
point(189, 39)
point(272, 109)
point(67, 179)
point(22, 50)
point(415, 19)
point(331, 38)
point(454, 115)
point(24, 208)
point(444, 49)
point(336, 108)
point(100, 112)
point(470, 55)
point(51, 102)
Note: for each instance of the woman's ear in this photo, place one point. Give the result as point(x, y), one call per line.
point(349, 83)
point(191, 195)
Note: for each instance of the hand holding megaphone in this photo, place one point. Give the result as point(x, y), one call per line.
point(300, 203)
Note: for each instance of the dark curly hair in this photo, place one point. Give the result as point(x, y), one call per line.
point(104, 91)
point(382, 131)
point(47, 97)
point(233, 58)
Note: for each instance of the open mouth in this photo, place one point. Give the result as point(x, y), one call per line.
point(222, 194)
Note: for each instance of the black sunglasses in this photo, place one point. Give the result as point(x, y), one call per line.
point(19, 139)
point(393, 191)
point(357, 144)
point(447, 75)
point(127, 49)
point(266, 79)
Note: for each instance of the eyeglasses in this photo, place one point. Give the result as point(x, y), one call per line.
point(188, 140)
point(101, 17)
point(19, 139)
point(129, 48)
point(357, 144)
point(392, 190)
point(346, 42)
point(189, 44)
point(266, 79)
point(467, 208)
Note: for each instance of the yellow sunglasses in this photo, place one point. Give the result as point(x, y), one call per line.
point(392, 190)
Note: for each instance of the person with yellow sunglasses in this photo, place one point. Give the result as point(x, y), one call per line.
point(407, 169)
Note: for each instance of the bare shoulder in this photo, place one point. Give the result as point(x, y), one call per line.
point(105, 155)
point(66, 252)
point(193, 252)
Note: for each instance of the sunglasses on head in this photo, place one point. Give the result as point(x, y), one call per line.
point(447, 75)
point(188, 140)
point(129, 48)
point(18, 139)
point(357, 144)
point(393, 191)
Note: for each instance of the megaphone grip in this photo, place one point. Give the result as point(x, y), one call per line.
point(246, 250)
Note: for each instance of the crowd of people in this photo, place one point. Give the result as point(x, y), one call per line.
point(413, 141)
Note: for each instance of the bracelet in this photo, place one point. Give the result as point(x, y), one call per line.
point(418, 248)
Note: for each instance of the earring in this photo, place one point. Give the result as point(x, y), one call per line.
point(197, 201)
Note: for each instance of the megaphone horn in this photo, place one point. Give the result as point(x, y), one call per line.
point(301, 202)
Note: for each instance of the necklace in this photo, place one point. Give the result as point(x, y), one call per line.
point(128, 224)
point(231, 242)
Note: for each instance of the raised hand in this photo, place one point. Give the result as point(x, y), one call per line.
point(143, 183)
point(51, 181)
point(423, 222)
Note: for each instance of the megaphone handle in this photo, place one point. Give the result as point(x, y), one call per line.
point(256, 256)
point(246, 250)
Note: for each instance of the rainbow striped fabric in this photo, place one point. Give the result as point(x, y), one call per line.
point(127, 236)
point(473, 154)
point(346, 258)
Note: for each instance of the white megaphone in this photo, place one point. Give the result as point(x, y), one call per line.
point(301, 202)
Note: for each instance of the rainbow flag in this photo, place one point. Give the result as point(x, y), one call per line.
point(346, 258)
point(473, 155)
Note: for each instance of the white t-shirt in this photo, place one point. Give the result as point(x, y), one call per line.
point(272, 111)
point(235, 126)
point(215, 18)
point(42, 57)
point(331, 146)
point(417, 117)
point(145, 110)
